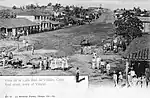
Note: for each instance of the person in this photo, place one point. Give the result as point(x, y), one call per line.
point(93, 63)
point(33, 48)
point(102, 64)
point(77, 75)
point(4, 62)
point(47, 60)
point(134, 81)
point(3, 54)
point(147, 76)
point(27, 45)
point(66, 62)
point(45, 63)
point(115, 78)
point(98, 62)
point(107, 68)
point(120, 77)
point(94, 54)
point(24, 42)
point(41, 64)
point(10, 55)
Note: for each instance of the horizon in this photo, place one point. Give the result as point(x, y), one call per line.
point(110, 4)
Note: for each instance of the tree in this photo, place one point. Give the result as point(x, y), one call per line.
point(128, 26)
point(14, 7)
point(49, 4)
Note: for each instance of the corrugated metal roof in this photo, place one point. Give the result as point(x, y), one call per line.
point(16, 22)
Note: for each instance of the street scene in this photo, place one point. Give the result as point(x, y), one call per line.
point(110, 46)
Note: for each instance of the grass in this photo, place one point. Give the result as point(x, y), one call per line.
point(64, 39)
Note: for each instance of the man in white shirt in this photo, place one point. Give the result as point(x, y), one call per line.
point(93, 63)
point(108, 68)
point(98, 62)
point(102, 64)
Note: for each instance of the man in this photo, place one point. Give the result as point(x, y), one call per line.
point(115, 78)
point(41, 64)
point(33, 48)
point(3, 54)
point(27, 45)
point(102, 64)
point(107, 68)
point(147, 75)
point(98, 62)
point(93, 63)
point(77, 74)
point(45, 64)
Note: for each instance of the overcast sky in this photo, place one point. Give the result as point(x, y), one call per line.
point(112, 4)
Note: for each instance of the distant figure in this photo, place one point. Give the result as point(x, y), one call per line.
point(98, 62)
point(45, 63)
point(10, 55)
point(77, 75)
point(24, 42)
point(107, 68)
point(32, 50)
point(147, 76)
point(3, 54)
point(120, 77)
point(93, 63)
point(115, 78)
point(27, 45)
point(41, 64)
point(102, 65)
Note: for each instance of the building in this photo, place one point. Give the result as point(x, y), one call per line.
point(14, 25)
point(44, 19)
point(146, 23)
point(138, 53)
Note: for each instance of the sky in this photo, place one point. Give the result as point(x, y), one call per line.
point(111, 4)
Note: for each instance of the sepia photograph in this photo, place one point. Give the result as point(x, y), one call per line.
point(104, 42)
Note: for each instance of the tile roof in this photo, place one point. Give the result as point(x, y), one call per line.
point(139, 49)
point(16, 22)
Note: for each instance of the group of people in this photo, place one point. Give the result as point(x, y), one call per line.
point(132, 80)
point(98, 63)
point(8, 59)
point(50, 63)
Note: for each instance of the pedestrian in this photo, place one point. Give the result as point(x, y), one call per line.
point(120, 77)
point(134, 81)
point(4, 62)
point(93, 63)
point(115, 78)
point(98, 62)
point(33, 48)
point(147, 76)
point(41, 64)
point(77, 75)
point(107, 68)
point(44, 64)
point(102, 64)
point(27, 45)
point(3, 54)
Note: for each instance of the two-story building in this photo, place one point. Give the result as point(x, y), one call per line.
point(41, 18)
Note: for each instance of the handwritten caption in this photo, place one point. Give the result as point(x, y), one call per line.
point(31, 81)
